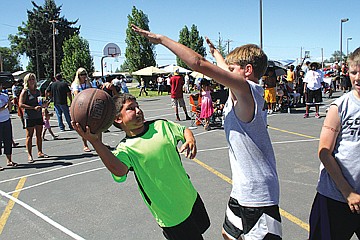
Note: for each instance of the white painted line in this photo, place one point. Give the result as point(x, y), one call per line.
point(56, 179)
point(42, 216)
point(50, 170)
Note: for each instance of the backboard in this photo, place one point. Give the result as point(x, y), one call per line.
point(111, 50)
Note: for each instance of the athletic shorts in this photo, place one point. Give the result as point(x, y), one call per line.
point(331, 219)
point(33, 122)
point(252, 222)
point(177, 102)
point(270, 95)
point(193, 227)
point(314, 95)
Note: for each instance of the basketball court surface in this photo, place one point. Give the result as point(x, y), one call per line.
point(71, 195)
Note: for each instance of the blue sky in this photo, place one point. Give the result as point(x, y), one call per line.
point(288, 26)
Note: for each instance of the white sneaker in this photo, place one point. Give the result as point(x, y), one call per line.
point(270, 111)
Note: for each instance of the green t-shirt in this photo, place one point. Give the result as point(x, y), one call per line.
point(163, 183)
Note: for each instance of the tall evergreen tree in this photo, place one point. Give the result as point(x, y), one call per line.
point(10, 60)
point(192, 40)
point(139, 51)
point(184, 38)
point(35, 37)
point(76, 54)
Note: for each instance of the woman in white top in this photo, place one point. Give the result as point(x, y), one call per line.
point(80, 83)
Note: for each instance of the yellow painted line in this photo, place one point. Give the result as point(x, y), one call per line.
point(294, 133)
point(283, 213)
point(11, 203)
point(217, 173)
point(295, 220)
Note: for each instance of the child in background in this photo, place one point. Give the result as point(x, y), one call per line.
point(207, 109)
point(46, 117)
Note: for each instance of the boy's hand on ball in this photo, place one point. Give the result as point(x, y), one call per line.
point(85, 134)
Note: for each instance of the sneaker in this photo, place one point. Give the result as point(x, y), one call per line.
point(188, 118)
point(317, 115)
point(270, 111)
point(306, 115)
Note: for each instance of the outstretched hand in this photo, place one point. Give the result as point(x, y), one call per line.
point(189, 147)
point(152, 37)
point(211, 46)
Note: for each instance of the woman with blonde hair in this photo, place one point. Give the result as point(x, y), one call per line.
point(29, 101)
point(80, 83)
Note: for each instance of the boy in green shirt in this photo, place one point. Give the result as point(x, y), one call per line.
point(150, 151)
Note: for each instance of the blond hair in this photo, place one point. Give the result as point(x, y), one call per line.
point(80, 71)
point(249, 54)
point(26, 79)
point(354, 58)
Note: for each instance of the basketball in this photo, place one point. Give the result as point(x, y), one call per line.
point(94, 108)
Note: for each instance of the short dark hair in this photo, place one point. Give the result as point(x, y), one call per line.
point(119, 103)
point(58, 76)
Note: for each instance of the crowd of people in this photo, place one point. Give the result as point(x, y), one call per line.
point(252, 208)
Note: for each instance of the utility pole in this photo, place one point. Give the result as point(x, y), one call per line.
point(228, 45)
point(219, 40)
point(1, 63)
point(54, 48)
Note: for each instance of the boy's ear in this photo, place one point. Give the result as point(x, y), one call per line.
point(118, 119)
point(248, 70)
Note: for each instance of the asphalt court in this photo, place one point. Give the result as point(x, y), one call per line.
point(71, 195)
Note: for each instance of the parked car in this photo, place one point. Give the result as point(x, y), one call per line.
point(42, 85)
point(7, 80)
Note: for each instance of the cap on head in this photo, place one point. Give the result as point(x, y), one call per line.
point(176, 71)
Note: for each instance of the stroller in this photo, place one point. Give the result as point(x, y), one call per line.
point(219, 99)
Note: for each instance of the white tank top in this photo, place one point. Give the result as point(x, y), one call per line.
point(346, 149)
point(252, 159)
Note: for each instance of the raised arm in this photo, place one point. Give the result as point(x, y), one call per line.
point(194, 60)
point(217, 55)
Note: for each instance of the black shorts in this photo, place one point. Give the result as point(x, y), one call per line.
point(314, 95)
point(33, 122)
point(247, 221)
point(193, 227)
point(330, 219)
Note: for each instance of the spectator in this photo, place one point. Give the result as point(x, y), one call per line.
point(32, 115)
point(80, 83)
point(312, 88)
point(60, 92)
point(177, 98)
point(6, 128)
point(142, 87)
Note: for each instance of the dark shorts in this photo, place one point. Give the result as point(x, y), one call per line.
point(330, 219)
point(314, 95)
point(6, 137)
point(33, 122)
point(252, 221)
point(193, 227)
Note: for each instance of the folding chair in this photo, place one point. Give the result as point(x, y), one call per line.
point(195, 105)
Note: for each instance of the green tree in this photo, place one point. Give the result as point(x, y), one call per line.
point(336, 56)
point(76, 54)
point(184, 39)
point(35, 37)
point(192, 40)
point(139, 52)
point(10, 60)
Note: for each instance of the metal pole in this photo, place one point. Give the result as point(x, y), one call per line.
point(54, 44)
point(347, 46)
point(341, 22)
point(261, 34)
point(1, 63)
